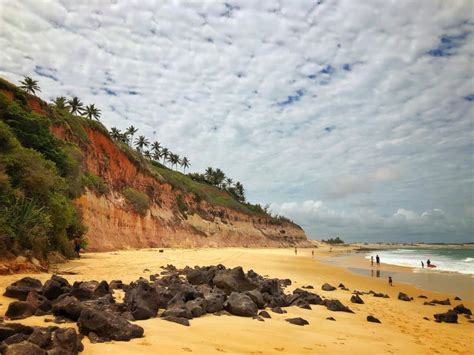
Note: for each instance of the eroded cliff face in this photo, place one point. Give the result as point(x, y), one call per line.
point(113, 224)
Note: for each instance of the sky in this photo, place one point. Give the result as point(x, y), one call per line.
point(352, 118)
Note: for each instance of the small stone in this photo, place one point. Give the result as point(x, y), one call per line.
point(264, 314)
point(297, 321)
point(330, 318)
point(372, 319)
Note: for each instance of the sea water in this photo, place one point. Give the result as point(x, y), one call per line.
point(445, 259)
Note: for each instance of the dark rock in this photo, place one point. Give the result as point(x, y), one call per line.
point(278, 310)
point(460, 309)
point(404, 297)
point(24, 348)
point(240, 305)
point(59, 320)
point(201, 276)
point(297, 321)
point(301, 303)
point(330, 318)
point(106, 324)
point(20, 310)
point(9, 329)
point(179, 320)
point(446, 302)
point(468, 316)
point(309, 287)
point(233, 281)
point(55, 287)
point(83, 290)
point(177, 310)
point(142, 300)
point(256, 297)
point(40, 303)
point(448, 317)
point(42, 336)
point(356, 299)
point(372, 319)
point(116, 284)
point(102, 289)
point(215, 302)
point(457, 298)
point(68, 307)
point(327, 287)
point(422, 296)
point(429, 304)
point(67, 340)
point(470, 321)
point(341, 285)
point(257, 317)
point(16, 338)
point(287, 282)
point(270, 286)
point(380, 294)
point(310, 297)
point(426, 318)
point(336, 306)
point(20, 289)
point(197, 307)
point(264, 314)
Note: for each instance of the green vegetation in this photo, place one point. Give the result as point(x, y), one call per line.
point(336, 240)
point(29, 85)
point(95, 183)
point(139, 201)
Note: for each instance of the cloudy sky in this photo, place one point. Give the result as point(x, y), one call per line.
point(353, 118)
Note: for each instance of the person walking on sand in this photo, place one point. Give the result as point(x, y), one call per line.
point(312, 253)
point(377, 259)
point(422, 264)
point(428, 262)
point(77, 247)
point(296, 251)
point(390, 282)
point(371, 260)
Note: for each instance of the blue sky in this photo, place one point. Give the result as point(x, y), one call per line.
point(353, 118)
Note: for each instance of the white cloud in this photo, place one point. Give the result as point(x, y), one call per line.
point(375, 92)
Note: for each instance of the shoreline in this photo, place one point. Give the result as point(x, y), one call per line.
point(210, 334)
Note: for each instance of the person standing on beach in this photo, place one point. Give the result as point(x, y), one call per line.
point(390, 280)
point(77, 246)
point(428, 262)
point(312, 253)
point(371, 260)
point(296, 251)
point(422, 264)
point(377, 259)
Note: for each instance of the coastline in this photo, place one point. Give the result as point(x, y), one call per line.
point(403, 329)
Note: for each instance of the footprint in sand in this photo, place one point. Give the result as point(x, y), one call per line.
point(221, 350)
point(307, 348)
point(279, 349)
point(188, 350)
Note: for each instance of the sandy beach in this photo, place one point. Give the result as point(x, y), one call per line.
point(403, 329)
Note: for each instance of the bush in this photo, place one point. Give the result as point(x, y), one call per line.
point(139, 201)
point(333, 241)
point(95, 183)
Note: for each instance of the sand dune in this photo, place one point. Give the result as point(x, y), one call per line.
point(403, 329)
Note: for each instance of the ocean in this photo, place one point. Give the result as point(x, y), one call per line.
point(445, 259)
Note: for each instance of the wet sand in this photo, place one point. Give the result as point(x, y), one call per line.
point(403, 329)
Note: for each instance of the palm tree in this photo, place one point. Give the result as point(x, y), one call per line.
point(131, 131)
point(116, 134)
point(141, 142)
point(76, 106)
point(155, 147)
point(185, 164)
point(147, 154)
point(219, 177)
point(165, 153)
point(174, 159)
point(209, 174)
point(229, 181)
point(92, 112)
point(29, 85)
point(157, 156)
point(60, 103)
point(240, 191)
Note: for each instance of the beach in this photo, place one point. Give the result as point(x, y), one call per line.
point(402, 328)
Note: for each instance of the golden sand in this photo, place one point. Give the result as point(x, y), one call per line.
point(403, 329)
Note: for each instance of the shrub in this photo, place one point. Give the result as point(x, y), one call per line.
point(95, 183)
point(139, 201)
point(336, 240)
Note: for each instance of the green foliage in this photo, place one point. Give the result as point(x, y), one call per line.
point(95, 183)
point(139, 201)
point(336, 240)
point(182, 206)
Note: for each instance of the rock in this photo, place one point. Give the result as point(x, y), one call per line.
point(372, 319)
point(426, 318)
point(446, 302)
point(256, 297)
point(448, 317)
point(67, 340)
point(404, 297)
point(327, 287)
point(9, 329)
point(116, 284)
point(179, 320)
point(108, 325)
point(297, 321)
point(142, 300)
point(356, 299)
point(381, 295)
point(270, 286)
point(20, 289)
point(460, 309)
point(233, 281)
point(240, 305)
point(177, 310)
point(257, 317)
point(59, 320)
point(309, 287)
point(83, 290)
point(20, 310)
point(16, 338)
point(468, 316)
point(68, 307)
point(429, 304)
point(310, 297)
point(287, 282)
point(55, 287)
point(264, 314)
point(330, 318)
point(24, 348)
point(278, 310)
point(336, 306)
point(341, 285)
point(201, 276)
point(42, 336)
point(457, 298)
point(40, 303)
point(197, 307)
point(215, 302)
point(102, 289)
point(422, 296)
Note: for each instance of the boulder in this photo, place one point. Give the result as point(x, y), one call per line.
point(301, 303)
point(336, 306)
point(448, 317)
point(445, 302)
point(422, 296)
point(68, 307)
point(201, 276)
point(233, 280)
point(66, 341)
point(14, 339)
point(177, 310)
point(107, 325)
point(240, 305)
point(264, 314)
point(197, 307)
point(270, 286)
point(308, 287)
point(457, 298)
point(460, 309)
point(372, 319)
point(356, 299)
point(9, 329)
point(256, 297)
point(42, 336)
point(215, 302)
point(24, 348)
point(297, 321)
point(40, 303)
point(142, 300)
point(278, 310)
point(83, 290)
point(327, 287)
point(116, 284)
point(429, 304)
point(55, 287)
point(102, 289)
point(404, 297)
point(330, 318)
point(179, 320)
point(20, 310)
point(20, 289)
point(341, 285)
